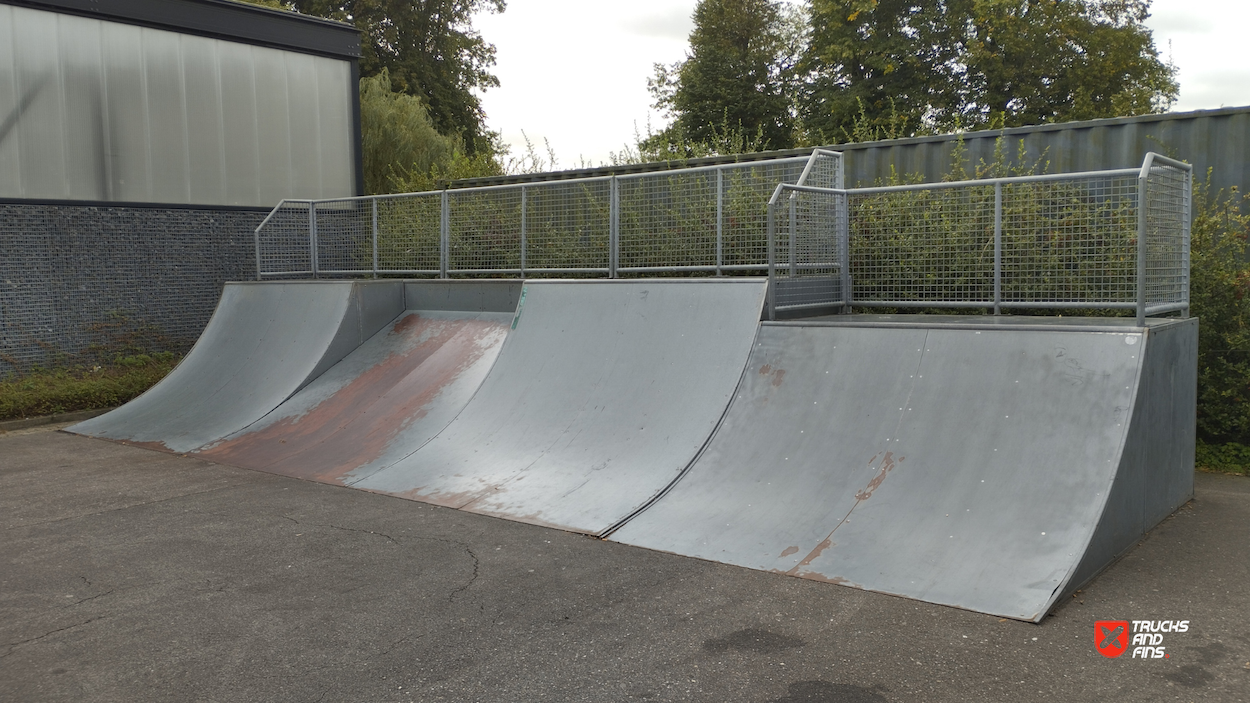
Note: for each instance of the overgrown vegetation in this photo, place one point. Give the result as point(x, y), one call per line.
point(127, 357)
point(63, 390)
point(1220, 298)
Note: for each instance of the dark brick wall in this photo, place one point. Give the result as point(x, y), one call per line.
point(81, 283)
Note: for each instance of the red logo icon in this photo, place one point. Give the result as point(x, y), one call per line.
point(1111, 637)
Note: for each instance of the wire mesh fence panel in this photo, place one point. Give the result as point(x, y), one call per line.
point(1035, 241)
point(484, 230)
point(282, 241)
point(1167, 235)
point(825, 170)
point(668, 219)
point(922, 246)
point(808, 254)
point(1070, 241)
point(344, 237)
point(567, 226)
point(746, 189)
point(408, 234)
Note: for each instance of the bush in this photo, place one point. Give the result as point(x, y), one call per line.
point(1219, 288)
point(1231, 457)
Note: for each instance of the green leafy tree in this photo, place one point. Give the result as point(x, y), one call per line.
point(403, 152)
point(737, 76)
point(972, 63)
point(429, 49)
point(398, 137)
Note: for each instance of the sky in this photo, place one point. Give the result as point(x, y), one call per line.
point(573, 73)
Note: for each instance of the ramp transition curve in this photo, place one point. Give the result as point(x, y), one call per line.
point(381, 403)
point(603, 392)
point(970, 467)
point(264, 342)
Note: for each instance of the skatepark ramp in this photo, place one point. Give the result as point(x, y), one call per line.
point(602, 394)
point(391, 395)
point(262, 344)
point(987, 462)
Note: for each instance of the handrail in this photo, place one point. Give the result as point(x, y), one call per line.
point(665, 205)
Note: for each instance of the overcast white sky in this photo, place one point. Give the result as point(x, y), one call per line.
point(574, 72)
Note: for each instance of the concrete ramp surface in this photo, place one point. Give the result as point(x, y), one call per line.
point(603, 392)
point(382, 402)
point(263, 343)
point(967, 467)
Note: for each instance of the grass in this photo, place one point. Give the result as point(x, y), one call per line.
point(52, 392)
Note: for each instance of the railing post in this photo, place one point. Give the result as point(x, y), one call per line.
point(844, 234)
point(794, 217)
point(998, 248)
point(257, 239)
point(444, 236)
point(1185, 236)
point(614, 226)
point(720, 219)
point(523, 223)
point(1142, 206)
point(374, 201)
point(312, 237)
point(772, 266)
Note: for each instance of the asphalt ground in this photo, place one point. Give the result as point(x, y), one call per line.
point(133, 575)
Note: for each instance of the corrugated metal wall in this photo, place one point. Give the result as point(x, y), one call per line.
point(100, 110)
point(1215, 139)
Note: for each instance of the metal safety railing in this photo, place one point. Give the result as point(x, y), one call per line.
point(695, 220)
point(1116, 239)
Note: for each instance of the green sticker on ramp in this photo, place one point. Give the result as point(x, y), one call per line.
point(520, 304)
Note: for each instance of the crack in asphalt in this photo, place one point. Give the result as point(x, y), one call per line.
point(398, 642)
point(84, 600)
point(389, 538)
point(451, 598)
point(14, 645)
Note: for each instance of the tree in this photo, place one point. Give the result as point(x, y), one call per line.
point(736, 75)
point(398, 136)
point(972, 63)
point(429, 49)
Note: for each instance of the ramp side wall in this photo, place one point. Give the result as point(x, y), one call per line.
point(463, 296)
point(372, 306)
point(1156, 471)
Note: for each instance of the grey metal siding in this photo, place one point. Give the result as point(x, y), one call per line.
point(1215, 139)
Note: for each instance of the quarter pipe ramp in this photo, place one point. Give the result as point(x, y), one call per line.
point(388, 397)
point(602, 394)
point(264, 342)
point(967, 465)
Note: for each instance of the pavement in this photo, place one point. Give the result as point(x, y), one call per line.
point(133, 575)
